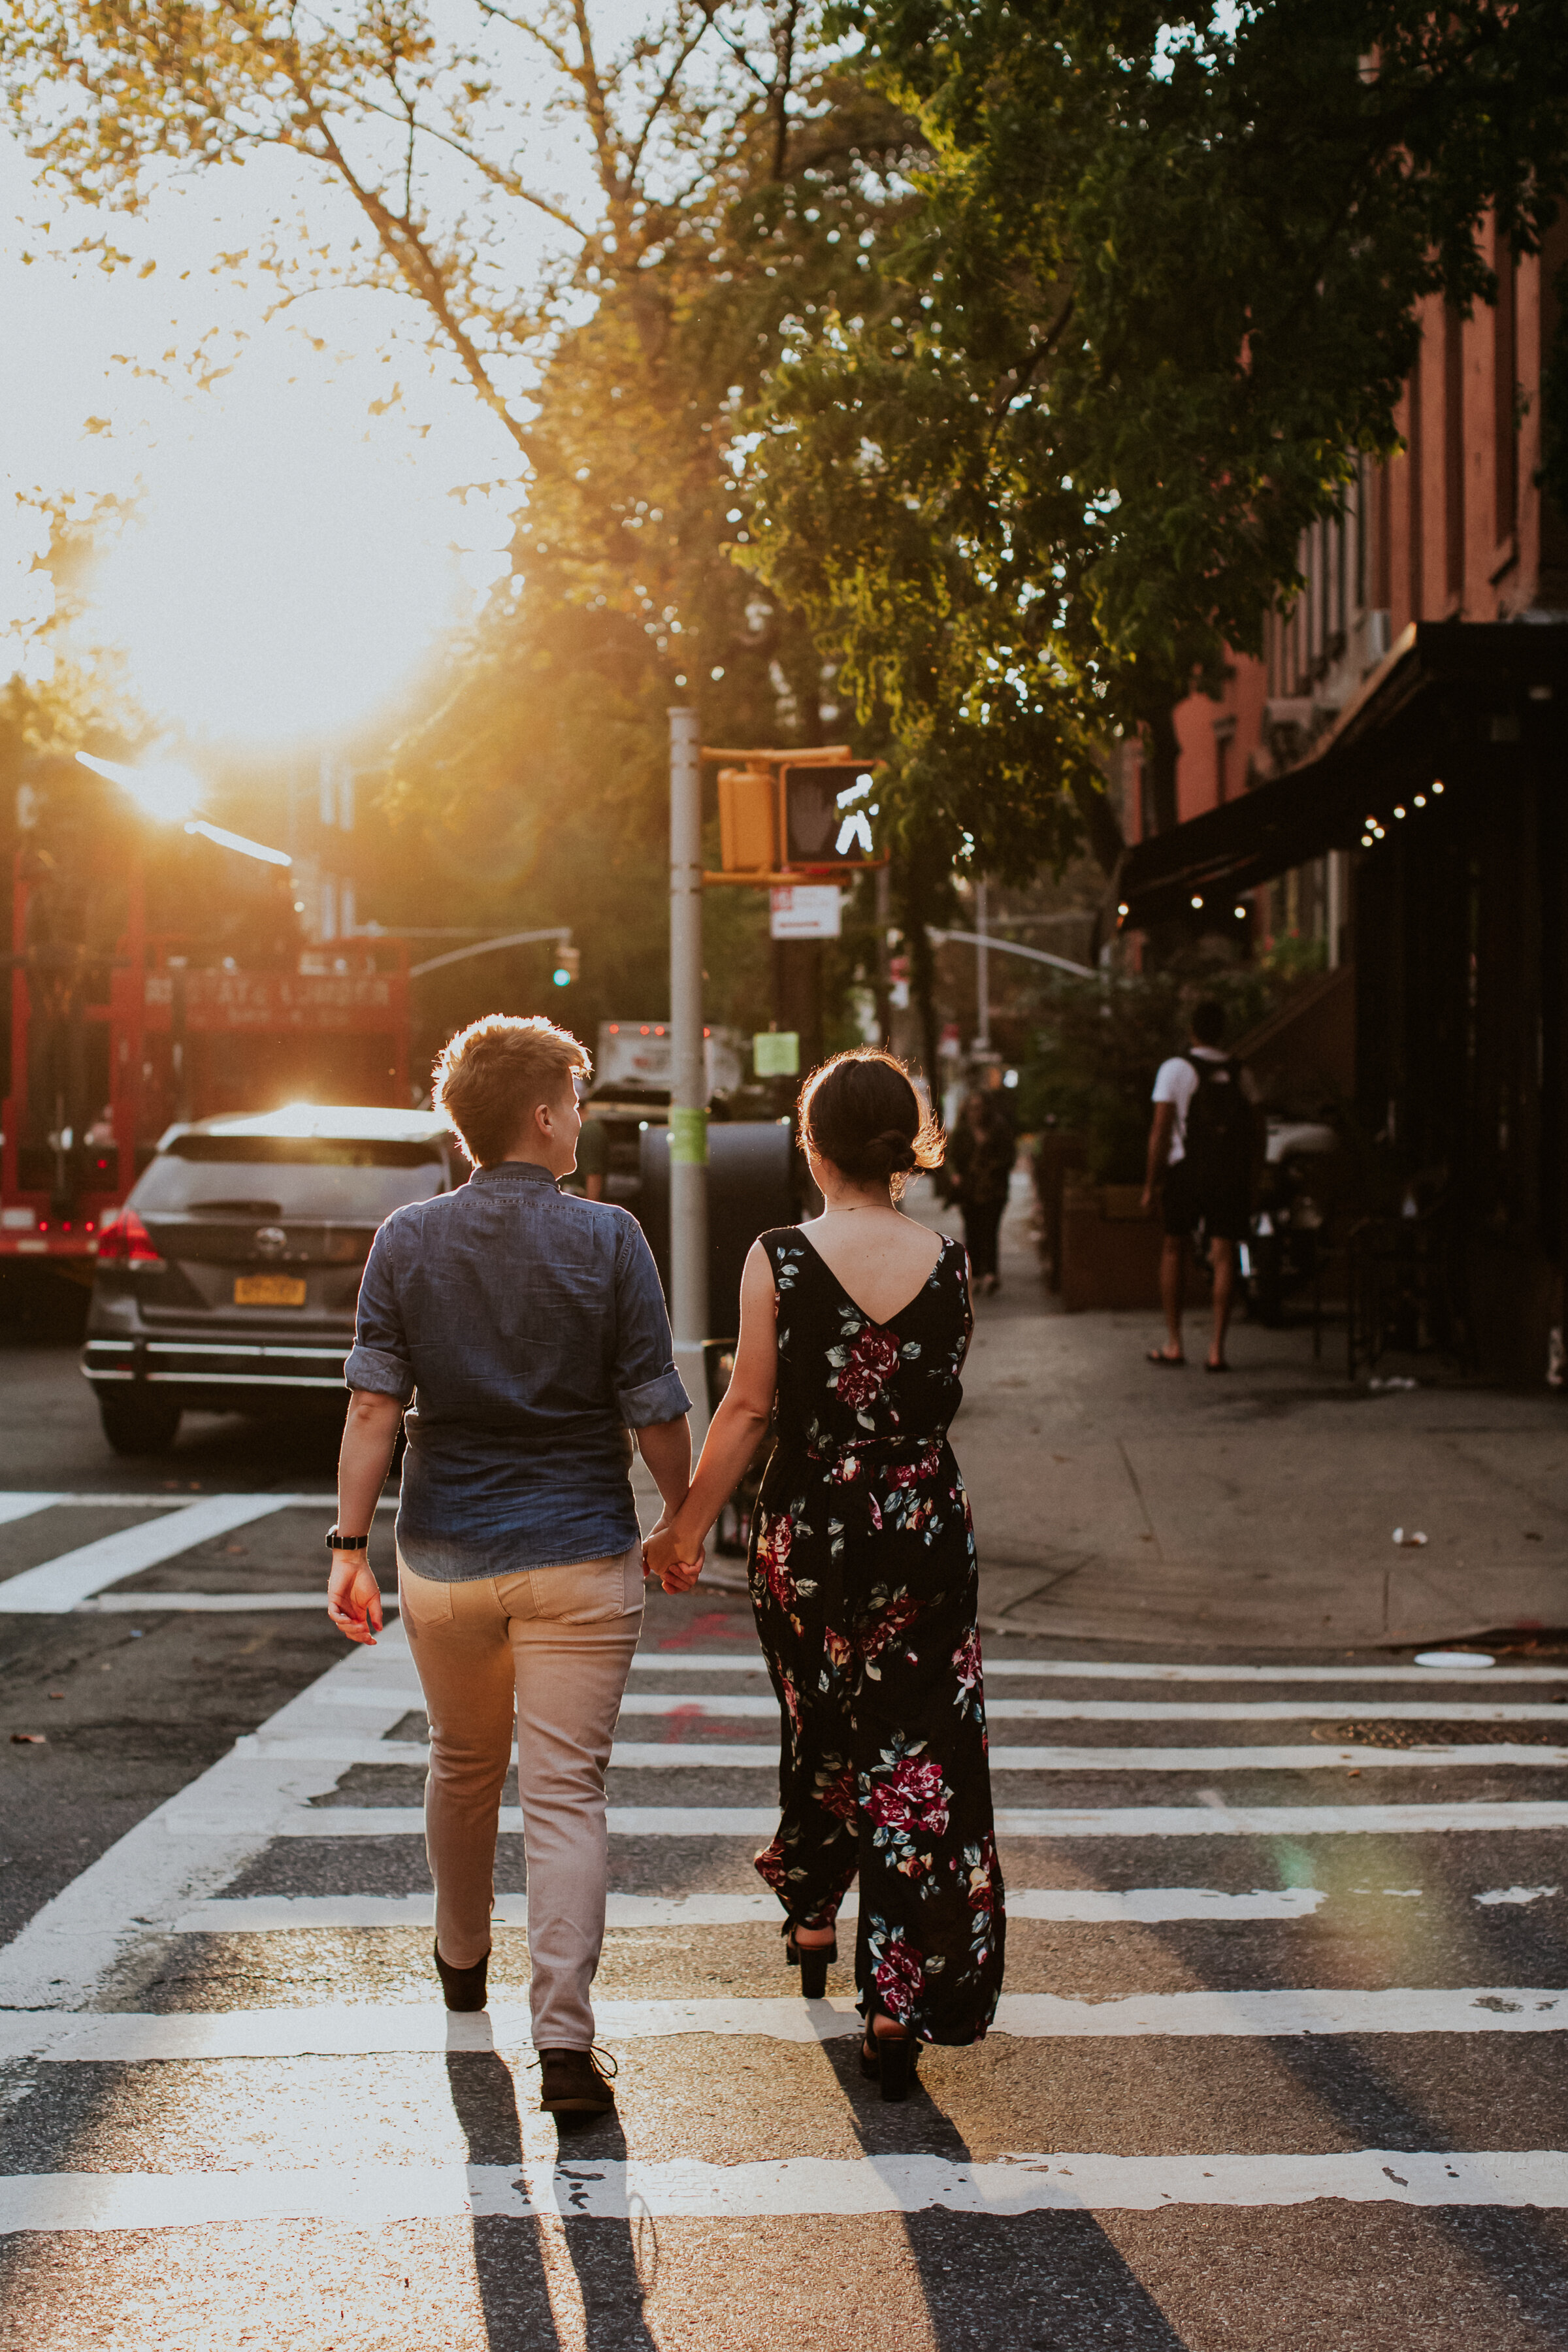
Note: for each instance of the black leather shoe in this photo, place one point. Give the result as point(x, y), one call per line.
point(574, 2083)
point(464, 1987)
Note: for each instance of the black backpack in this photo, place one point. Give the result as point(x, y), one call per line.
point(1218, 1136)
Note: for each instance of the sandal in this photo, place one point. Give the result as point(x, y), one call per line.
point(812, 1960)
point(890, 2058)
point(1170, 1364)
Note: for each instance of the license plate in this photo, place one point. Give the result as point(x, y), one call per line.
point(269, 1290)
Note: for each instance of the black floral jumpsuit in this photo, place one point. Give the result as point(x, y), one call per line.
point(865, 1587)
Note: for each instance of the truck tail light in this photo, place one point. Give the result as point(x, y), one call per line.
point(123, 1239)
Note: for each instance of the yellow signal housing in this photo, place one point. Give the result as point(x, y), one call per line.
point(748, 821)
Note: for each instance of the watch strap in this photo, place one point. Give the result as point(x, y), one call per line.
point(339, 1542)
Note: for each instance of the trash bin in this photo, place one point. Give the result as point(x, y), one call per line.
point(750, 1190)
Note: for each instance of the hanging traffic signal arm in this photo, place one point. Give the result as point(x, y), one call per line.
point(782, 817)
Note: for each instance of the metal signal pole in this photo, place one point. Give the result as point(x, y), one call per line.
point(689, 1075)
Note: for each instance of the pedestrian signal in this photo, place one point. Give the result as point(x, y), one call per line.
point(827, 817)
point(785, 816)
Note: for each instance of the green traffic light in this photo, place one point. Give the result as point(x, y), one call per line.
point(561, 976)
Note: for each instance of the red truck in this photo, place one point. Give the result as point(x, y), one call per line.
point(106, 1053)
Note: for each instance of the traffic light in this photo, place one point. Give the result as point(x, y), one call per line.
point(746, 820)
point(782, 813)
point(568, 964)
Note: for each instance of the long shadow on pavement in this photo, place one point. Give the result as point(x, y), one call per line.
point(1049, 2282)
point(508, 2261)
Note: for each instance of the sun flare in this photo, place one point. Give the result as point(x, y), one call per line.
point(288, 571)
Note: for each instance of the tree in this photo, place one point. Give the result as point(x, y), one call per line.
point(739, 181)
point(1160, 296)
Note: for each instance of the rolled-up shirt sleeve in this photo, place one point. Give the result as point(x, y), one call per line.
point(648, 1389)
point(379, 1360)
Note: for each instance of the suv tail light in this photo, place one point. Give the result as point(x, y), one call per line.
point(124, 1240)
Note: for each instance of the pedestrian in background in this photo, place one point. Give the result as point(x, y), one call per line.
point(863, 1576)
point(1202, 1145)
point(529, 1326)
point(978, 1169)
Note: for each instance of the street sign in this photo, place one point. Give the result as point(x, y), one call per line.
point(805, 911)
point(775, 1054)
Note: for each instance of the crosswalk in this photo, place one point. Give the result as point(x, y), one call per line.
point(229, 2035)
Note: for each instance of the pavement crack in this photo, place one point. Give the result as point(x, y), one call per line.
point(1142, 1506)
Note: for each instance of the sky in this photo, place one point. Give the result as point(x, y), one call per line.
point(309, 498)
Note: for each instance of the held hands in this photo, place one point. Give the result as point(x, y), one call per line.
point(661, 1558)
point(354, 1597)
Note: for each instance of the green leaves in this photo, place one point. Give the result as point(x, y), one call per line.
point(1066, 473)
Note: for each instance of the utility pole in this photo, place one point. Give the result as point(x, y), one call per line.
point(688, 1073)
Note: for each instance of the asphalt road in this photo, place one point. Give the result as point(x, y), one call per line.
point(1281, 2059)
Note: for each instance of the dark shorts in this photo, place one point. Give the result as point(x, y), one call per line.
point(1223, 1215)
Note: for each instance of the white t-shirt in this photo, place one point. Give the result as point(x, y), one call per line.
point(1176, 1082)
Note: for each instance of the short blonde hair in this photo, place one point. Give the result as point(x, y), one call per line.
point(490, 1078)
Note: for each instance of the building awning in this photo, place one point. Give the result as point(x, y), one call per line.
point(1451, 694)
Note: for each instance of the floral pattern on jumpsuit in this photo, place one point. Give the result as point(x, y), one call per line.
point(865, 1587)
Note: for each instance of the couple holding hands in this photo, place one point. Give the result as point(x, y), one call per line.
point(526, 1329)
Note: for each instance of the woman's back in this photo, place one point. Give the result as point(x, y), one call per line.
point(881, 1260)
point(848, 1380)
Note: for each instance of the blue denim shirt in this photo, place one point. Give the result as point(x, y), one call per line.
point(529, 1328)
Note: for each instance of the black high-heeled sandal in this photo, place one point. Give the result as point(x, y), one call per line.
point(890, 2058)
point(812, 1960)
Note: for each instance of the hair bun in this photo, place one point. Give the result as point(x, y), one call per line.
point(899, 1150)
point(861, 1111)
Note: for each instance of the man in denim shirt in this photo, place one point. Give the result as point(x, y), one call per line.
point(525, 1330)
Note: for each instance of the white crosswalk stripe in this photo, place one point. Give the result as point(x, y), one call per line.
point(1219, 1820)
point(373, 2197)
point(756, 1756)
point(1068, 1905)
point(126, 2037)
point(743, 1707)
point(186, 1870)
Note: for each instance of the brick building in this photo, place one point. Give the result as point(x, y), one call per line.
point(1390, 779)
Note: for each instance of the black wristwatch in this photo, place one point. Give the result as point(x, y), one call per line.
point(336, 1542)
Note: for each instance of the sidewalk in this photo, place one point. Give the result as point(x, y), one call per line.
point(1115, 1502)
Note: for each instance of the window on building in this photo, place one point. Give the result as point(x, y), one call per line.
point(1505, 378)
point(1224, 736)
point(1382, 552)
point(1341, 536)
point(1454, 451)
point(1413, 484)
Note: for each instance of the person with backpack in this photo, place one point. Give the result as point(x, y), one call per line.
point(1201, 1149)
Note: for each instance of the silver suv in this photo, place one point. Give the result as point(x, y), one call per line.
point(227, 1281)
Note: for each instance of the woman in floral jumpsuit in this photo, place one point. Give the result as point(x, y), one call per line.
point(863, 1575)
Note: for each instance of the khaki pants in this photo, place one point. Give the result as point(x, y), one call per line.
point(562, 1639)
